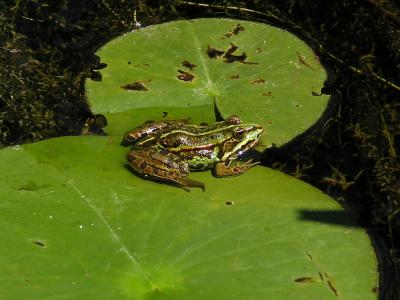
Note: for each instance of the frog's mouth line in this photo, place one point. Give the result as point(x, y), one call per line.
point(244, 145)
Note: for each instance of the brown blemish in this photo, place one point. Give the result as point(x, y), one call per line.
point(229, 202)
point(257, 81)
point(135, 86)
point(303, 61)
point(321, 276)
point(332, 287)
point(238, 29)
point(235, 31)
point(305, 280)
point(188, 65)
point(258, 50)
point(267, 94)
point(39, 243)
point(185, 76)
point(213, 53)
point(229, 57)
point(235, 76)
point(164, 114)
point(325, 277)
point(138, 65)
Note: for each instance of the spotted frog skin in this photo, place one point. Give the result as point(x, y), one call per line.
point(168, 150)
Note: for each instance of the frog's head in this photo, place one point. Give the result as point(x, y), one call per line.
point(244, 137)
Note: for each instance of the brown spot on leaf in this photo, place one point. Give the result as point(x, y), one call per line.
point(235, 31)
point(213, 53)
point(229, 57)
point(267, 94)
point(185, 76)
point(138, 65)
point(135, 86)
point(258, 50)
point(332, 287)
point(257, 81)
point(330, 282)
point(39, 243)
point(164, 114)
point(238, 29)
point(235, 76)
point(305, 280)
point(303, 61)
point(188, 65)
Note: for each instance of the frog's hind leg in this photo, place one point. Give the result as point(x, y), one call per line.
point(163, 166)
point(149, 129)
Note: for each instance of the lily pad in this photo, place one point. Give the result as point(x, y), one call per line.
point(262, 73)
point(76, 224)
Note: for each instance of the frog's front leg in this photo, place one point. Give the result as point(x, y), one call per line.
point(233, 168)
point(161, 165)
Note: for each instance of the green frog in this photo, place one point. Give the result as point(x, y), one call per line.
point(169, 150)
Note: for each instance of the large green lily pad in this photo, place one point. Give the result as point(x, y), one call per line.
point(264, 74)
point(76, 224)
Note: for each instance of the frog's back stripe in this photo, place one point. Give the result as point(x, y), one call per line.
point(198, 131)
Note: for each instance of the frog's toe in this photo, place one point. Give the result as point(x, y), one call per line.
point(187, 183)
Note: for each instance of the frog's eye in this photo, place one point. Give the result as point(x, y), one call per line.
point(238, 133)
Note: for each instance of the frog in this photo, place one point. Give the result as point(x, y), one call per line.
point(167, 151)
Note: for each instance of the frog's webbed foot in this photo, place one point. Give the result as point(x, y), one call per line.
point(233, 168)
point(161, 166)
